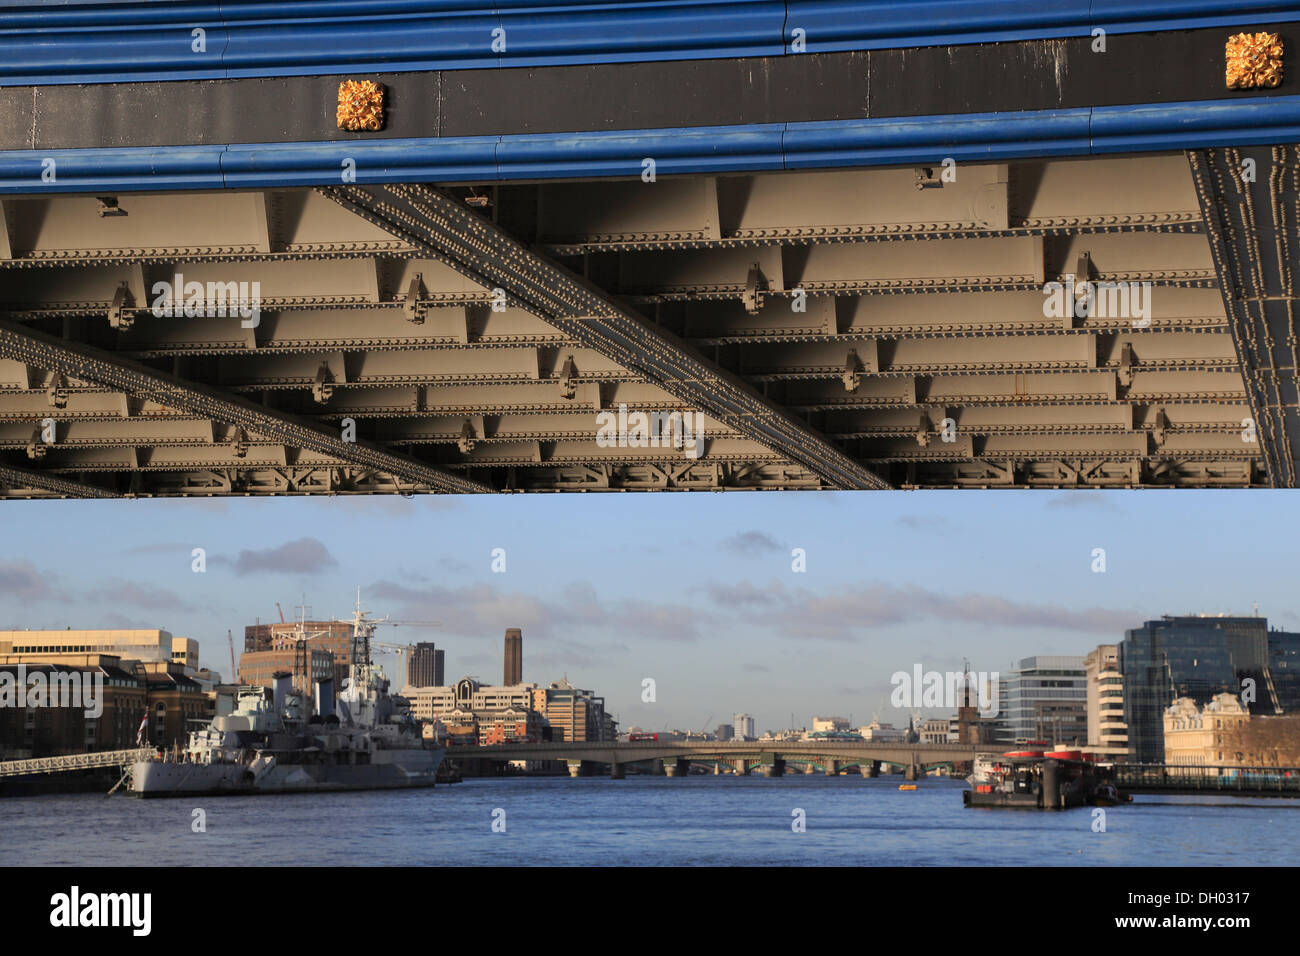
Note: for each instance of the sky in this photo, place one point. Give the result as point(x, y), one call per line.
point(696, 592)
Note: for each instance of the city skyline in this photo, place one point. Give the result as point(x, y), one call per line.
point(701, 597)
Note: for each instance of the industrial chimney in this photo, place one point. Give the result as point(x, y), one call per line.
point(514, 656)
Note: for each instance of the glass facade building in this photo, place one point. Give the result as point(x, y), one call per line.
point(1284, 667)
point(1194, 657)
point(1045, 698)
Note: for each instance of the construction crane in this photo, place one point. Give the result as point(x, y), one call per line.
point(281, 610)
point(230, 639)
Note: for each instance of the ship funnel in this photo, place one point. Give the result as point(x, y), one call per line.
point(325, 697)
point(283, 684)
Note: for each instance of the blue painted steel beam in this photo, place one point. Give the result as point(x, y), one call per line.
point(83, 41)
point(971, 137)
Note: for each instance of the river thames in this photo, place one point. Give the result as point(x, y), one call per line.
point(644, 820)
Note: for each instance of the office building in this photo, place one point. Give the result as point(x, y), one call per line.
point(577, 715)
point(257, 668)
point(1194, 656)
point(743, 727)
point(424, 666)
point(1045, 698)
point(1107, 732)
point(137, 644)
point(332, 636)
point(1284, 669)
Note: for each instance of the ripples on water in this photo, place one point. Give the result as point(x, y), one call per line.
point(659, 821)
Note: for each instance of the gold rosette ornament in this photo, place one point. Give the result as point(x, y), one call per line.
point(361, 105)
point(1253, 60)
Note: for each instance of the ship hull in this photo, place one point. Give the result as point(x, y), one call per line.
point(402, 770)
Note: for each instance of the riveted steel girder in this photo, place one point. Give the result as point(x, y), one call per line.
point(1250, 201)
point(84, 362)
point(16, 480)
point(434, 220)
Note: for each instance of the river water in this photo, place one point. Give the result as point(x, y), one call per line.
point(643, 820)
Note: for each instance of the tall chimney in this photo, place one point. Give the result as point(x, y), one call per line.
point(514, 656)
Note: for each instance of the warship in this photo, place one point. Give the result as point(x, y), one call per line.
point(365, 739)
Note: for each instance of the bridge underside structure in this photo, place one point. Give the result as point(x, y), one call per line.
point(833, 269)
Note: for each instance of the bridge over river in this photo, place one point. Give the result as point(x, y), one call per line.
point(774, 758)
point(741, 757)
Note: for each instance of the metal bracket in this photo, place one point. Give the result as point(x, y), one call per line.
point(466, 443)
point(56, 393)
point(1126, 362)
point(36, 446)
point(322, 389)
point(924, 429)
point(1161, 427)
point(415, 304)
point(568, 378)
point(121, 314)
point(852, 376)
point(239, 444)
point(108, 207)
point(927, 177)
point(755, 286)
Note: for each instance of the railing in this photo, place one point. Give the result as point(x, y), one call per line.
point(1208, 779)
point(102, 758)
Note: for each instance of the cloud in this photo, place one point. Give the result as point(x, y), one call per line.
point(751, 542)
point(840, 615)
point(483, 610)
point(21, 579)
point(303, 556)
point(150, 597)
point(757, 669)
point(163, 547)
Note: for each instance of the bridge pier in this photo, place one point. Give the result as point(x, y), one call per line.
point(579, 768)
point(912, 772)
point(778, 768)
point(617, 771)
point(832, 768)
point(742, 767)
point(870, 769)
point(677, 768)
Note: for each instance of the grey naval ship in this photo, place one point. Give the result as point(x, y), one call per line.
point(365, 739)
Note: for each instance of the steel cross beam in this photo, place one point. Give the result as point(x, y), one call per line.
point(21, 477)
point(1250, 201)
point(95, 365)
point(479, 249)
